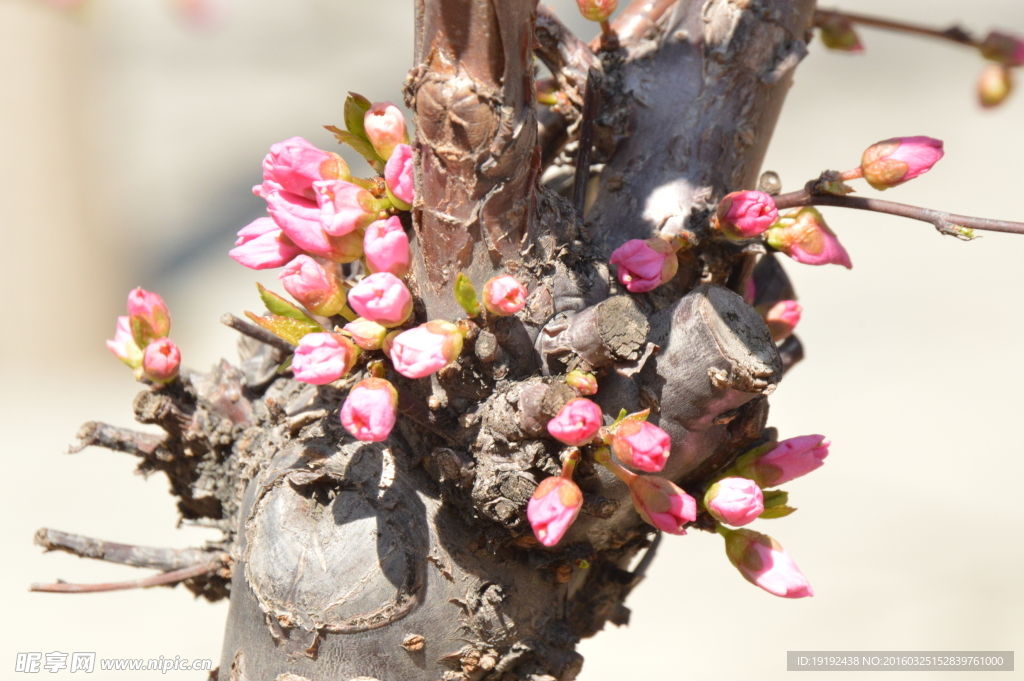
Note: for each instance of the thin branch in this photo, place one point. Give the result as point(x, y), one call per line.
point(591, 106)
point(253, 331)
point(164, 579)
point(98, 434)
point(946, 223)
point(954, 33)
point(123, 554)
point(636, 21)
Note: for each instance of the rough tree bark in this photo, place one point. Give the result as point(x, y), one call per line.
point(411, 559)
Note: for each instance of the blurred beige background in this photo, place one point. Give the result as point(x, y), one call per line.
point(130, 142)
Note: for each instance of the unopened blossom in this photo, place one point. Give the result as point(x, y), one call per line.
point(504, 296)
point(262, 245)
point(386, 247)
point(789, 459)
point(381, 298)
point(344, 207)
point(370, 410)
point(662, 504)
point(584, 382)
point(299, 219)
point(322, 358)
point(641, 445)
point(597, 10)
point(576, 423)
point(803, 235)
point(1003, 48)
point(317, 288)
point(837, 33)
point(763, 562)
point(994, 85)
point(894, 161)
point(645, 264)
point(366, 334)
point(782, 318)
point(552, 509)
point(743, 215)
point(123, 345)
point(734, 501)
point(148, 316)
point(385, 128)
point(398, 174)
point(295, 165)
point(422, 351)
point(160, 360)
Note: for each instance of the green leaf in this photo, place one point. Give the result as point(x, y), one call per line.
point(282, 308)
point(291, 330)
point(286, 365)
point(465, 295)
point(356, 107)
point(777, 512)
point(361, 145)
point(775, 497)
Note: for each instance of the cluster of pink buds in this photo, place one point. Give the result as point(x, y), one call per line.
point(141, 341)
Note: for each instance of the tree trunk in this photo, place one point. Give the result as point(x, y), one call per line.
point(412, 559)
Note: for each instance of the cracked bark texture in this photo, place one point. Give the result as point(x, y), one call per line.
point(412, 558)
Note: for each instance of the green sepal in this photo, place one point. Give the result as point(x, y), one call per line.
point(361, 145)
point(282, 308)
point(626, 416)
point(291, 330)
point(775, 497)
point(465, 295)
point(356, 107)
point(777, 512)
point(286, 365)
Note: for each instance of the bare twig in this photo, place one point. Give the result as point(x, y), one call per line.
point(946, 223)
point(97, 434)
point(591, 105)
point(253, 331)
point(166, 578)
point(124, 554)
point(636, 21)
point(954, 33)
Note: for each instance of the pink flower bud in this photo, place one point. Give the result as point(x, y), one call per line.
point(789, 459)
point(319, 290)
point(782, 318)
point(124, 346)
point(597, 10)
point(641, 445)
point(295, 165)
point(803, 235)
point(398, 173)
point(299, 219)
point(344, 207)
point(894, 161)
point(419, 352)
point(994, 85)
point(743, 215)
point(1003, 48)
point(576, 423)
point(734, 501)
point(661, 504)
point(160, 360)
point(837, 33)
point(645, 264)
point(552, 509)
point(366, 334)
point(504, 296)
point(763, 562)
point(323, 357)
point(382, 298)
point(369, 411)
point(386, 247)
point(262, 245)
point(385, 127)
point(585, 383)
point(148, 317)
